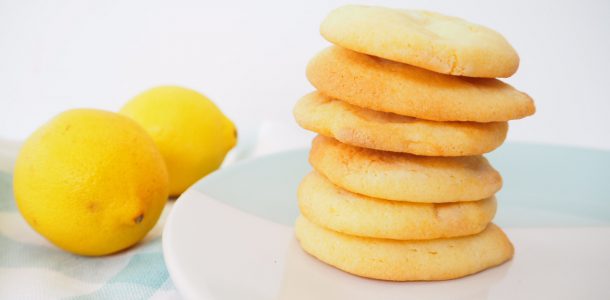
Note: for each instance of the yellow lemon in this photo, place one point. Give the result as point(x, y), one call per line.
point(92, 182)
point(192, 134)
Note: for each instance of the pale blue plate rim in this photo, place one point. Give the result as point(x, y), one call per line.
point(544, 185)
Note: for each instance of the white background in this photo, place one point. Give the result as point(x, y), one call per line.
point(250, 57)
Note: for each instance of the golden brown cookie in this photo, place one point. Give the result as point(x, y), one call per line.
point(329, 206)
point(390, 132)
point(402, 176)
point(382, 85)
point(424, 39)
point(395, 260)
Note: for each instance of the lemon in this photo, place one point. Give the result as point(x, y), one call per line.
point(92, 182)
point(192, 134)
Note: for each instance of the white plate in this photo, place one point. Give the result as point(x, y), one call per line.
point(230, 236)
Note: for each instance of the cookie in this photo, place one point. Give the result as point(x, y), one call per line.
point(428, 40)
point(391, 132)
point(330, 206)
point(387, 86)
point(404, 177)
point(395, 260)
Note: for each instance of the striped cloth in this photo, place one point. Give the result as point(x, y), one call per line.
point(32, 268)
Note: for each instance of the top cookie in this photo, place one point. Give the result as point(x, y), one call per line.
point(424, 39)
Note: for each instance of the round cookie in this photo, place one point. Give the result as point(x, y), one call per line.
point(439, 259)
point(387, 86)
point(334, 208)
point(404, 177)
point(390, 132)
point(424, 39)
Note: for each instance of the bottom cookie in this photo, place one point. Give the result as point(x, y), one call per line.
point(384, 259)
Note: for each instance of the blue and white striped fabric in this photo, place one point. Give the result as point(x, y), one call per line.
point(32, 268)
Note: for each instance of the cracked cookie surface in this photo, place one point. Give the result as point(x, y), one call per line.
point(428, 40)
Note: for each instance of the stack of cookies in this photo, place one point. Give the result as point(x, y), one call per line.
point(406, 104)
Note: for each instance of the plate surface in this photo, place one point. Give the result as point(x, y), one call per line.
point(230, 236)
